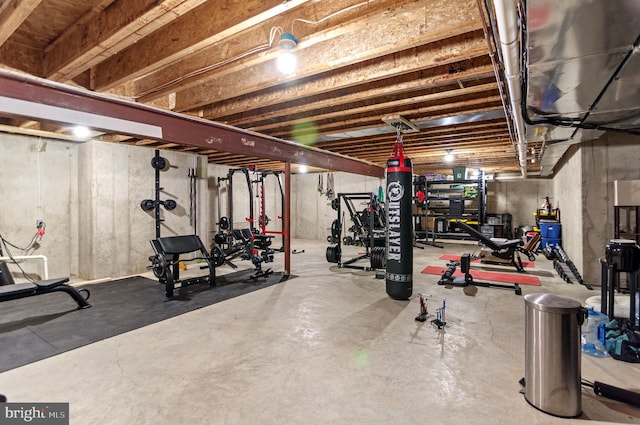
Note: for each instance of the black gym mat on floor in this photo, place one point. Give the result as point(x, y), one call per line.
point(35, 328)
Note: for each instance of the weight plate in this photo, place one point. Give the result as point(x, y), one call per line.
point(170, 204)
point(224, 223)
point(335, 229)
point(159, 266)
point(378, 257)
point(218, 256)
point(147, 204)
point(333, 253)
point(158, 163)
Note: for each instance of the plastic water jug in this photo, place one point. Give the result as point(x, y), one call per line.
point(593, 335)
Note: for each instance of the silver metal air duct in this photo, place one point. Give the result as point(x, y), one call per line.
point(507, 20)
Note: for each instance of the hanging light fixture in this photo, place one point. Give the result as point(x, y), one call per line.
point(449, 156)
point(81, 132)
point(287, 61)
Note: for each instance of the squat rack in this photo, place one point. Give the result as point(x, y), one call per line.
point(363, 229)
point(263, 220)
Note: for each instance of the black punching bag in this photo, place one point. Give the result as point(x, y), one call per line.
point(399, 224)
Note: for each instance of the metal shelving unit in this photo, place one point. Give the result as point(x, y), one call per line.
point(447, 200)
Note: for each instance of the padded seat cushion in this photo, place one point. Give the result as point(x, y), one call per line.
point(18, 288)
point(180, 244)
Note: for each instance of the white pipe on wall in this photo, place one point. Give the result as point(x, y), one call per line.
point(45, 264)
point(507, 19)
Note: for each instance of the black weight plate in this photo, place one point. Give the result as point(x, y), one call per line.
point(158, 163)
point(333, 253)
point(170, 204)
point(218, 256)
point(147, 204)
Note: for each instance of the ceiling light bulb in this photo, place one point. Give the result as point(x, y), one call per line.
point(449, 156)
point(82, 132)
point(302, 169)
point(287, 62)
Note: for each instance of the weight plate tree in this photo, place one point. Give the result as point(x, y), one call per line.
point(158, 163)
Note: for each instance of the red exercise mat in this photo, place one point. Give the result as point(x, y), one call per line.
point(481, 275)
point(449, 257)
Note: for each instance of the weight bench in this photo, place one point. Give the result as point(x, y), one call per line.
point(9, 290)
point(447, 277)
point(166, 261)
point(507, 250)
point(246, 239)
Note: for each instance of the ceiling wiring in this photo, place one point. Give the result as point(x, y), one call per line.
point(273, 33)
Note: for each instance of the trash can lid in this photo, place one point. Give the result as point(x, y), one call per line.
point(552, 303)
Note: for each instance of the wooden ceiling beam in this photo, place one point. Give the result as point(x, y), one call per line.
point(121, 24)
point(396, 30)
point(426, 133)
point(420, 153)
point(254, 44)
point(212, 22)
point(299, 102)
point(375, 109)
point(12, 14)
point(415, 114)
point(426, 137)
point(469, 142)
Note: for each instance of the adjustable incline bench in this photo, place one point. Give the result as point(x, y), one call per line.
point(165, 263)
point(507, 250)
point(9, 290)
point(246, 238)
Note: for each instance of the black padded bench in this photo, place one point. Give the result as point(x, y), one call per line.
point(13, 291)
point(165, 263)
point(507, 250)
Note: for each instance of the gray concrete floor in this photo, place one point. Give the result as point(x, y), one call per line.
point(328, 347)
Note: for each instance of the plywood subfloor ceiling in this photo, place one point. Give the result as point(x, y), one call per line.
point(429, 61)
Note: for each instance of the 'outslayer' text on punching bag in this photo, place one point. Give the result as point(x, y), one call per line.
point(399, 275)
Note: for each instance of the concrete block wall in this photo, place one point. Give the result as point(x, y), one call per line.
point(312, 214)
point(519, 197)
point(615, 156)
point(38, 180)
point(568, 188)
point(89, 196)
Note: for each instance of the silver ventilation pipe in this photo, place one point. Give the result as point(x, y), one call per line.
point(507, 21)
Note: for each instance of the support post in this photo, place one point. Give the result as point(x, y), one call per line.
point(287, 218)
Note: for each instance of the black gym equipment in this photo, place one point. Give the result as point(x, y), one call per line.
point(263, 219)
point(366, 231)
point(232, 243)
point(507, 250)
point(447, 277)
point(261, 241)
point(564, 266)
point(9, 290)
point(159, 164)
point(399, 240)
point(621, 256)
point(246, 239)
point(166, 261)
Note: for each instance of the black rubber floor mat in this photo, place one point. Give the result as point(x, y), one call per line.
point(35, 328)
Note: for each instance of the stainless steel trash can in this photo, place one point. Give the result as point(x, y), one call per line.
point(552, 354)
